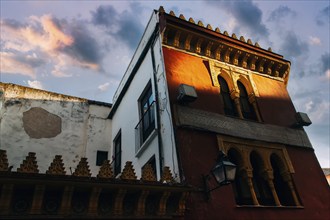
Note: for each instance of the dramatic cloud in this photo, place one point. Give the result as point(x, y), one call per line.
point(280, 13)
point(122, 26)
point(35, 84)
point(85, 49)
point(104, 87)
point(52, 40)
point(247, 14)
point(314, 40)
point(323, 16)
point(292, 47)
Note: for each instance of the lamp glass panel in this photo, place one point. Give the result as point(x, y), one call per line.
point(230, 170)
point(218, 173)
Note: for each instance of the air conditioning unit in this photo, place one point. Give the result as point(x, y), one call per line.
point(303, 119)
point(186, 93)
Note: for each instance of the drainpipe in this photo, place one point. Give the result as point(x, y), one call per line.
point(159, 135)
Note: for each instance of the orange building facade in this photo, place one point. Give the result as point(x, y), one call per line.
point(243, 109)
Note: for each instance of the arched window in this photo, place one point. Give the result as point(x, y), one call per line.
point(227, 101)
point(261, 188)
point(281, 187)
point(246, 107)
point(240, 186)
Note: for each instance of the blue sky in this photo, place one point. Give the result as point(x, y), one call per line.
point(82, 48)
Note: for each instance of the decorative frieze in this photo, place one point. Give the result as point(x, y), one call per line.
point(105, 170)
point(56, 167)
point(29, 165)
point(148, 174)
point(82, 169)
point(128, 172)
point(3, 161)
point(167, 176)
point(59, 196)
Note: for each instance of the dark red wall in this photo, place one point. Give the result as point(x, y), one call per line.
point(198, 152)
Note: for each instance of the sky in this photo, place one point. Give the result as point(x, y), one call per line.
point(82, 48)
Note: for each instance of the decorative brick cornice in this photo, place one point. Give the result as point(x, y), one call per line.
point(203, 40)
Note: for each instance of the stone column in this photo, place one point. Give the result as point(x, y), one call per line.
point(252, 100)
point(287, 178)
point(235, 96)
point(248, 176)
point(269, 177)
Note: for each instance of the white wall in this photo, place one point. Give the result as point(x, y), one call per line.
point(126, 117)
point(84, 128)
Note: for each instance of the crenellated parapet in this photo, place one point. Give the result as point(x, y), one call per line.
point(195, 37)
point(30, 194)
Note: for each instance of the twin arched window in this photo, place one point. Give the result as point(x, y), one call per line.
point(229, 105)
point(260, 188)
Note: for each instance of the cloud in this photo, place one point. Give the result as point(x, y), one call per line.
point(314, 40)
point(12, 63)
point(292, 47)
point(85, 49)
point(318, 110)
point(322, 17)
point(122, 26)
point(281, 12)
point(247, 14)
point(104, 87)
point(35, 84)
point(327, 74)
point(51, 39)
point(325, 62)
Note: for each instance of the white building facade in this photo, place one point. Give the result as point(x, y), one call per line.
point(142, 128)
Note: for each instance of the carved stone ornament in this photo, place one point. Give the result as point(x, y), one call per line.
point(105, 170)
point(128, 172)
point(57, 166)
point(82, 168)
point(29, 165)
point(3, 161)
point(148, 173)
point(167, 176)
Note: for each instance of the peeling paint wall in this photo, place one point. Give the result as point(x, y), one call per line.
point(51, 124)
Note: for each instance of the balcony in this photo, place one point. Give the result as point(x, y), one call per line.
point(144, 129)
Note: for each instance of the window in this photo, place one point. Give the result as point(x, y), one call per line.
point(147, 113)
point(100, 157)
point(263, 175)
point(246, 107)
point(117, 153)
point(146, 124)
point(260, 185)
point(227, 100)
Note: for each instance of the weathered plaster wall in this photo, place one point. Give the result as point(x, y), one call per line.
point(51, 124)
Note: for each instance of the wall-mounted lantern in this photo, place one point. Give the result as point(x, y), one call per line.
point(223, 172)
